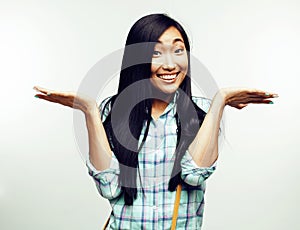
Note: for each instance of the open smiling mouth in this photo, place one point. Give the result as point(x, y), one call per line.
point(168, 77)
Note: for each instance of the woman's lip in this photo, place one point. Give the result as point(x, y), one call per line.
point(159, 74)
point(168, 76)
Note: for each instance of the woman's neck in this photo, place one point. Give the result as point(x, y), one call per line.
point(159, 106)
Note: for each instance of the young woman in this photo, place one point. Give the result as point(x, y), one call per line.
point(153, 134)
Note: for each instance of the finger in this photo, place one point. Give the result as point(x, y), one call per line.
point(244, 103)
point(252, 100)
point(264, 94)
point(45, 97)
point(249, 97)
point(49, 92)
point(40, 89)
point(245, 99)
point(272, 95)
point(261, 102)
point(55, 100)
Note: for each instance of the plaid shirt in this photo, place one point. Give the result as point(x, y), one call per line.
point(153, 209)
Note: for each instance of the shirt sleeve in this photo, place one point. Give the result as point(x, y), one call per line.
point(191, 173)
point(106, 180)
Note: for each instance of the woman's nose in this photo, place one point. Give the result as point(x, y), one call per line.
point(169, 63)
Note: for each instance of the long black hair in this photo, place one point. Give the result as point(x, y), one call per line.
point(146, 30)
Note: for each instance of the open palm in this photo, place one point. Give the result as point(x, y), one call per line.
point(69, 99)
point(241, 97)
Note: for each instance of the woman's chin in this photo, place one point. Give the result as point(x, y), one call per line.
point(164, 93)
point(165, 88)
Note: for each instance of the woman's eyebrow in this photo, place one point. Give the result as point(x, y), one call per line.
point(174, 41)
point(177, 40)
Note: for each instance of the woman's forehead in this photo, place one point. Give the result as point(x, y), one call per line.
point(170, 36)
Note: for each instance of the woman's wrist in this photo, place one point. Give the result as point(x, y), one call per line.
point(221, 98)
point(90, 109)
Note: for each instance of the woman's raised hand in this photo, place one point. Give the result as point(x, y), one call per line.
point(69, 99)
point(241, 97)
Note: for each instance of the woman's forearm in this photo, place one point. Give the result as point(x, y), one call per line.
point(204, 148)
point(99, 149)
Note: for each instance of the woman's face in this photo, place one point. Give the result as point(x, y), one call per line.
point(169, 61)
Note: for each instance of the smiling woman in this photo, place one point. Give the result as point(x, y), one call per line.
point(169, 61)
point(168, 68)
point(175, 142)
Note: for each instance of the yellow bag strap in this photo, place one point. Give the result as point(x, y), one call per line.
point(176, 206)
point(175, 211)
point(106, 223)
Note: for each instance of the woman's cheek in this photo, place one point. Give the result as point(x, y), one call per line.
point(154, 67)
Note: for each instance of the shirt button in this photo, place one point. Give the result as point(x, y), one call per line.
point(155, 207)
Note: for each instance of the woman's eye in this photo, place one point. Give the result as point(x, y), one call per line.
point(179, 51)
point(156, 53)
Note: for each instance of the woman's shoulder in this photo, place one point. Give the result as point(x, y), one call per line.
point(202, 102)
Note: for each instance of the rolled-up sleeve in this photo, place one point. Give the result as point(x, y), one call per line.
point(191, 173)
point(106, 180)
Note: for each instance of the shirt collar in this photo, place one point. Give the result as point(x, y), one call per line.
point(172, 105)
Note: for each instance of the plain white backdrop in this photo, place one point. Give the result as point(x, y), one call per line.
point(44, 183)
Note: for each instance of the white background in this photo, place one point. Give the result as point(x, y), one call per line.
point(44, 183)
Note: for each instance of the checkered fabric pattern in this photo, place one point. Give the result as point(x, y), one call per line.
point(153, 209)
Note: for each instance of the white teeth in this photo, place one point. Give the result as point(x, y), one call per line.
point(168, 77)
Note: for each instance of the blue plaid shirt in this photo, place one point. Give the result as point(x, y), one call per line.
point(153, 209)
